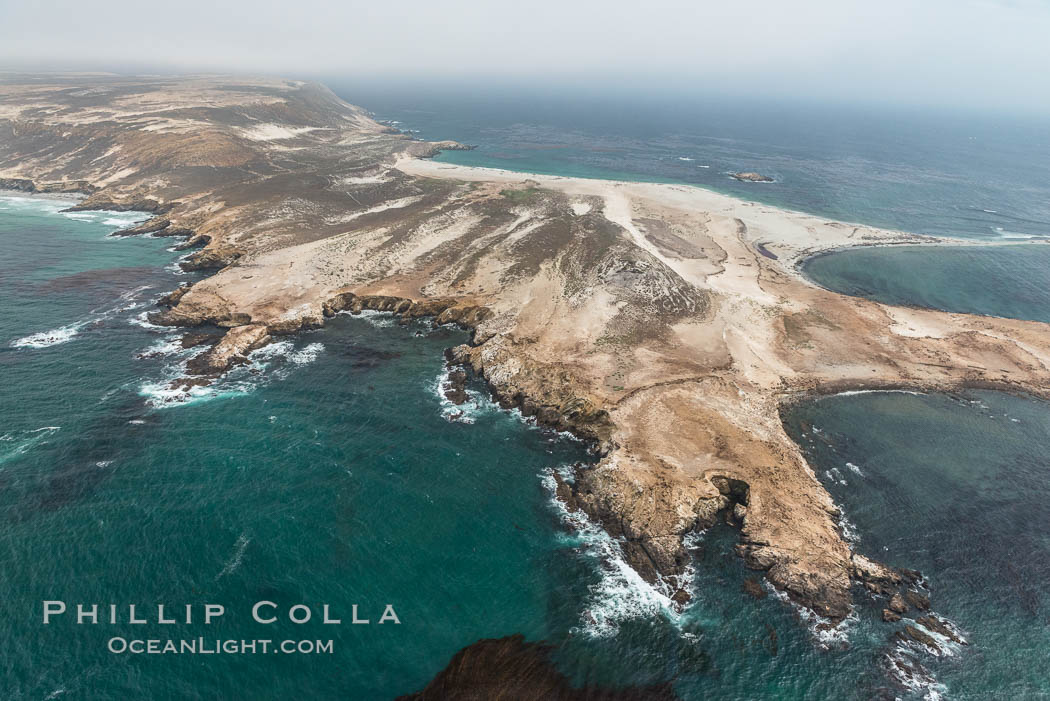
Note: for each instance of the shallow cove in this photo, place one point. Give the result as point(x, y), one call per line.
point(1007, 281)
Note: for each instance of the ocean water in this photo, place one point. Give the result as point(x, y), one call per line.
point(1009, 281)
point(328, 471)
point(959, 488)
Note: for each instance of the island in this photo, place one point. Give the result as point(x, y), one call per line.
point(751, 177)
point(664, 324)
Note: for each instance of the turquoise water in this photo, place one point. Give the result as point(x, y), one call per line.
point(1009, 281)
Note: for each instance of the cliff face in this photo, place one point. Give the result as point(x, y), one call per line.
point(665, 324)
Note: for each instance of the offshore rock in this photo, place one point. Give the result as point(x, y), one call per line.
point(931, 622)
point(752, 177)
point(876, 577)
point(210, 259)
point(919, 601)
point(198, 338)
point(429, 149)
point(753, 588)
point(455, 387)
point(232, 350)
point(913, 634)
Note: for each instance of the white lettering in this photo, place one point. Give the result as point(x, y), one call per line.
point(213, 611)
point(259, 605)
point(389, 615)
point(53, 608)
point(82, 614)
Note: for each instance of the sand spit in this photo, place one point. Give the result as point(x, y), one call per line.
point(665, 323)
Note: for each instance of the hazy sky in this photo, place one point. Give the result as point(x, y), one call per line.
point(988, 53)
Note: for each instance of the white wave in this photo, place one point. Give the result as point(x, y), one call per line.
point(122, 222)
point(126, 302)
point(165, 393)
point(142, 320)
point(703, 166)
point(468, 412)
point(22, 441)
point(168, 346)
point(238, 554)
point(849, 530)
point(904, 667)
point(306, 355)
point(46, 205)
point(377, 319)
point(174, 269)
point(286, 351)
point(835, 476)
point(44, 339)
point(685, 158)
point(852, 392)
point(620, 593)
point(855, 469)
point(238, 382)
point(826, 635)
point(946, 646)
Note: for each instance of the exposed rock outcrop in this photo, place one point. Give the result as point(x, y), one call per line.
point(752, 177)
point(232, 350)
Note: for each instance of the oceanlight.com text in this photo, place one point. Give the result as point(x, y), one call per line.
point(206, 646)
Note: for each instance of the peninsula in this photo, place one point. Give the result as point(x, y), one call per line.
point(665, 324)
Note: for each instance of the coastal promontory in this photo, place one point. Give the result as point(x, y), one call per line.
point(664, 324)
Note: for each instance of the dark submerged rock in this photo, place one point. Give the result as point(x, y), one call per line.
point(753, 587)
point(510, 668)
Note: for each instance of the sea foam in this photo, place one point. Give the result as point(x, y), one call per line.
point(125, 302)
point(620, 594)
